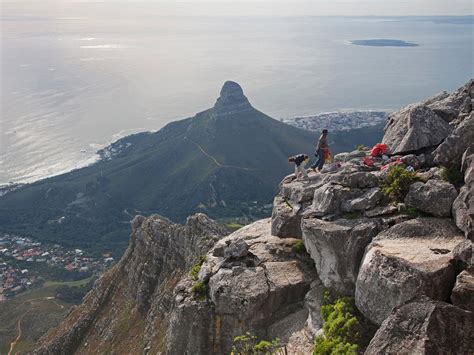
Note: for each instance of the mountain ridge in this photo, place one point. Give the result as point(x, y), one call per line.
point(165, 172)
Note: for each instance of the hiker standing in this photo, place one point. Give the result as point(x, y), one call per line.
point(320, 150)
point(300, 161)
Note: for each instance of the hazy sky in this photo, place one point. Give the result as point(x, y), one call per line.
point(302, 7)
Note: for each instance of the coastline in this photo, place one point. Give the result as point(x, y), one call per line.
point(90, 160)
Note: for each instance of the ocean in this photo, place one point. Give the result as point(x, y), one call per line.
point(75, 78)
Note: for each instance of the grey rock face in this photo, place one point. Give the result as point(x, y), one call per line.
point(232, 100)
point(368, 200)
point(328, 199)
point(413, 128)
point(313, 302)
point(141, 283)
point(289, 204)
point(463, 206)
point(265, 290)
point(463, 291)
point(286, 218)
point(337, 248)
point(352, 177)
point(457, 104)
point(435, 197)
point(166, 247)
point(450, 151)
point(410, 259)
point(381, 211)
point(425, 326)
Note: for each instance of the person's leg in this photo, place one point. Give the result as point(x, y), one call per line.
point(296, 171)
point(303, 171)
point(321, 159)
point(316, 163)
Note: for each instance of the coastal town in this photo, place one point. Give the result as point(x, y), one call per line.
point(25, 264)
point(339, 121)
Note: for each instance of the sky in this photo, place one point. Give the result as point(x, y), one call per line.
point(301, 7)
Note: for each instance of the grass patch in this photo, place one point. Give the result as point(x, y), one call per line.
point(234, 225)
point(77, 283)
point(197, 267)
point(199, 290)
point(360, 147)
point(299, 247)
point(398, 182)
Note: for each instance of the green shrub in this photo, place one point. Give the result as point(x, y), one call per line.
point(413, 212)
point(452, 174)
point(360, 147)
point(199, 289)
point(398, 182)
point(197, 267)
point(299, 247)
point(248, 344)
point(342, 329)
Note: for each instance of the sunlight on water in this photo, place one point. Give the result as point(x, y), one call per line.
point(76, 78)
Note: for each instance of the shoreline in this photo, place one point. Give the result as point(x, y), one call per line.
point(119, 135)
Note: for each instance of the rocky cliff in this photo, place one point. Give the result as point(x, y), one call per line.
point(401, 245)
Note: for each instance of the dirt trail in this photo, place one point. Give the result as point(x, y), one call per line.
point(216, 161)
point(18, 323)
point(18, 327)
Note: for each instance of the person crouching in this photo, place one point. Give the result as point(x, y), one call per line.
point(300, 161)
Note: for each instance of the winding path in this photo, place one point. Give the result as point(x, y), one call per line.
point(18, 323)
point(216, 161)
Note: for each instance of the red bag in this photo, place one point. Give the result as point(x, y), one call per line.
point(378, 150)
point(368, 161)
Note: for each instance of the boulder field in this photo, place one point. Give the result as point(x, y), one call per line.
point(406, 260)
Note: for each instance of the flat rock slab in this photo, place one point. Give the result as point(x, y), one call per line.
point(425, 327)
point(412, 258)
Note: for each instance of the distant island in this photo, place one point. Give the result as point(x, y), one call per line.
point(383, 43)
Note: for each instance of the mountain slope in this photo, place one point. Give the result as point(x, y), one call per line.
point(220, 162)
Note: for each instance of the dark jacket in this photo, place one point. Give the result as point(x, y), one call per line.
point(299, 159)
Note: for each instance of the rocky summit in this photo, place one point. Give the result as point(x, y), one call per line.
point(231, 100)
point(392, 233)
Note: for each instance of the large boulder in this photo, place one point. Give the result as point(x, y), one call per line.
point(369, 199)
point(463, 291)
point(289, 204)
point(463, 206)
point(328, 199)
point(337, 248)
point(435, 197)
point(450, 151)
point(286, 218)
point(256, 283)
point(413, 128)
point(459, 103)
point(424, 326)
point(412, 258)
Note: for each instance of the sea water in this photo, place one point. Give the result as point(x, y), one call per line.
point(77, 77)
